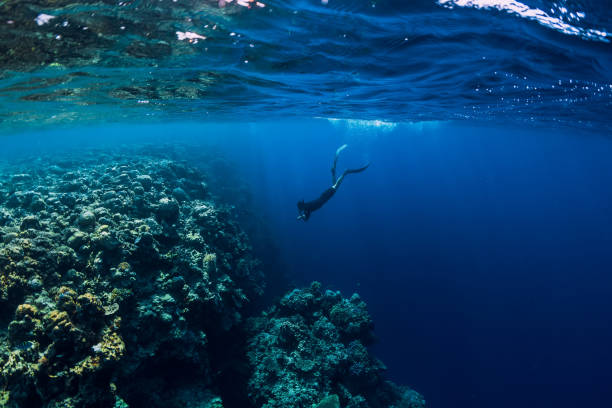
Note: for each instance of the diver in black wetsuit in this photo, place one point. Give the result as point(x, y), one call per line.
point(306, 208)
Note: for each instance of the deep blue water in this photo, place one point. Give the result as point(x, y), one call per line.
point(483, 253)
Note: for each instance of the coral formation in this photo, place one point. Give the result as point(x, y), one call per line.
point(124, 282)
point(310, 351)
point(115, 269)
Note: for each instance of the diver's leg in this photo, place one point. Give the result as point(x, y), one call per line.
point(333, 170)
point(334, 173)
point(339, 181)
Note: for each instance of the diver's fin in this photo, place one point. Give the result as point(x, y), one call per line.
point(359, 170)
point(333, 170)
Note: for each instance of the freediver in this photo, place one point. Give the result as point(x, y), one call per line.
point(306, 208)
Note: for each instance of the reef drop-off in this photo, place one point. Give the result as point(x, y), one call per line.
point(124, 283)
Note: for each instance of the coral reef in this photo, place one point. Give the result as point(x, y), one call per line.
point(124, 282)
point(310, 351)
point(113, 271)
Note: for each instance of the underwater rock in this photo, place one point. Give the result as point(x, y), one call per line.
point(168, 209)
point(86, 220)
point(26, 325)
point(37, 205)
point(145, 181)
point(29, 222)
point(77, 239)
point(180, 194)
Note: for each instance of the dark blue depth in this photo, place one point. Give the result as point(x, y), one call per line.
point(484, 254)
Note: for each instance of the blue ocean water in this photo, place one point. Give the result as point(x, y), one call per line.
point(483, 253)
point(479, 236)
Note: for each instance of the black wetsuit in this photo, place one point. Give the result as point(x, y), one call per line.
point(310, 206)
point(306, 208)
